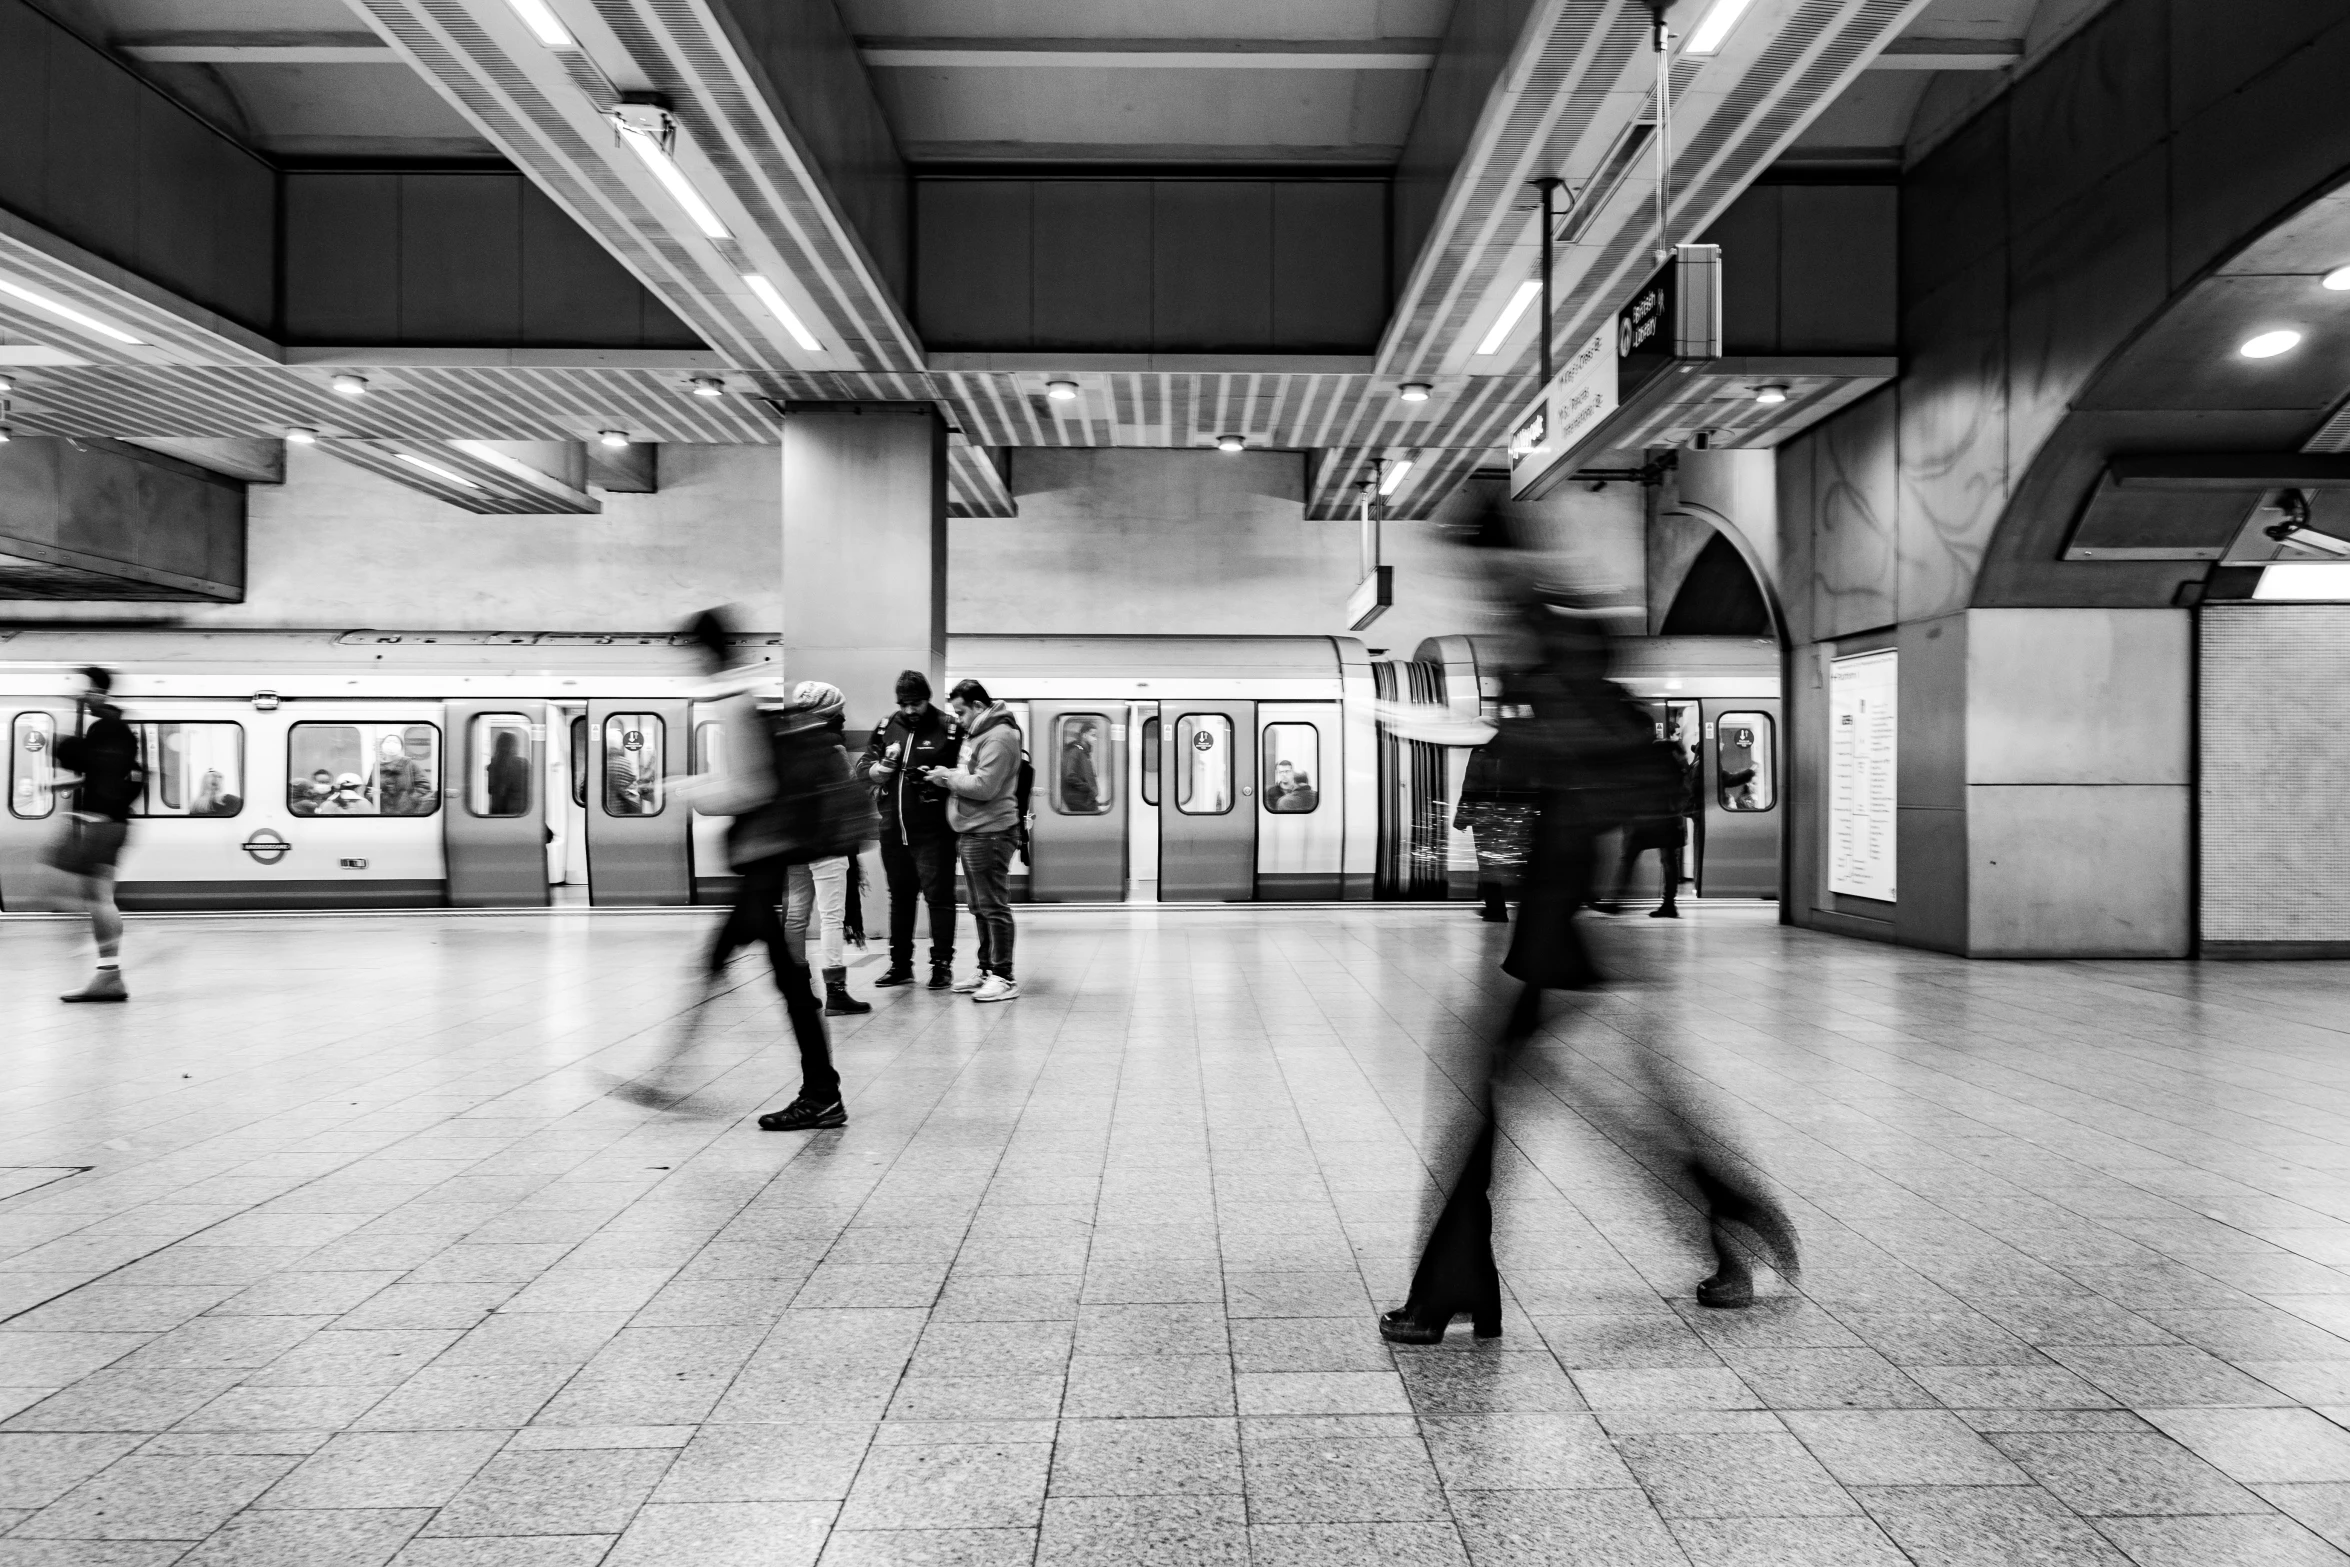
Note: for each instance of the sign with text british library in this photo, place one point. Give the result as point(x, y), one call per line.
point(1674, 320)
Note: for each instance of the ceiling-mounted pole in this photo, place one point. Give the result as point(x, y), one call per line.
point(1549, 187)
point(1664, 130)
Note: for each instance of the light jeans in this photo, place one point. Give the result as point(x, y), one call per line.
point(822, 886)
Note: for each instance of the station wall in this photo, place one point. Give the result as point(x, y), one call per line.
point(1121, 541)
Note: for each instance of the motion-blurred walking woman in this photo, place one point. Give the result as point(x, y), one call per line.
point(1570, 733)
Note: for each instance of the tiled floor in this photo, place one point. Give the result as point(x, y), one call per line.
point(345, 1257)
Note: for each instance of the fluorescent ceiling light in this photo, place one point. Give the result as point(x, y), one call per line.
point(1527, 293)
point(645, 137)
point(65, 312)
point(708, 386)
point(1771, 392)
point(301, 435)
point(1230, 443)
point(2270, 344)
point(1394, 475)
point(1714, 26)
point(349, 385)
point(2321, 579)
point(1061, 391)
point(2338, 280)
point(543, 23)
point(782, 312)
point(614, 439)
point(445, 475)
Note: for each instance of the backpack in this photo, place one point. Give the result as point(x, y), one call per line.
point(1023, 786)
point(819, 812)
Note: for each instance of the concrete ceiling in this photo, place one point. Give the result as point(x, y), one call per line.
point(1214, 81)
point(1239, 84)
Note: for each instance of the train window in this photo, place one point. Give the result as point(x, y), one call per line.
point(497, 765)
point(579, 766)
point(363, 769)
point(1203, 764)
point(1080, 751)
point(32, 791)
point(633, 746)
point(1150, 761)
point(1293, 768)
point(1746, 754)
point(709, 757)
point(192, 769)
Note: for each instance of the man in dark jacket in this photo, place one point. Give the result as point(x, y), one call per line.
point(917, 844)
point(104, 750)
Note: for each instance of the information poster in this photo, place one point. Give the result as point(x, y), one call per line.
point(1862, 757)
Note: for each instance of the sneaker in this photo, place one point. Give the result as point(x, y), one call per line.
point(804, 1115)
point(899, 974)
point(964, 987)
point(105, 985)
point(997, 988)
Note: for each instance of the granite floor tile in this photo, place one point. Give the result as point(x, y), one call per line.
point(1901, 1447)
point(2267, 1446)
point(386, 1469)
point(724, 1534)
point(1989, 1526)
point(930, 1548)
point(1524, 1452)
point(594, 1492)
point(2097, 1473)
point(342, 1537)
point(1331, 1479)
point(36, 1468)
point(2220, 1542)
point(810, 1462)
point(1564, 1529)
point(1165, 1457)
point(159, 1498)
point(949, 1485)
point(1732, 1476)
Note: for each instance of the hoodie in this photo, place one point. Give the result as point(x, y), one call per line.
point(980, 786)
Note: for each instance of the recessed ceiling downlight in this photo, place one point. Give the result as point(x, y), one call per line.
point(1061, 391)
point(2338, 280)
point(1230, 443)
point(302, 434)
point(2270, 344)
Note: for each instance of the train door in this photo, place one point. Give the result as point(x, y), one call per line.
point(494, 816)
point(31, 820)
point(713, 878)
point(639, 836)
point(1079, 838)
point(1742, 774)
point(1208, 816)
point(1143, 802)
point(1301, 829)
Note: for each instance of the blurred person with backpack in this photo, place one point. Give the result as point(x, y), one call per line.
point(104, 751)
point(917, 844)
point(784, 779)
point(985, 801)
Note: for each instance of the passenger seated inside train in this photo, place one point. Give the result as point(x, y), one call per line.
point(212, 797)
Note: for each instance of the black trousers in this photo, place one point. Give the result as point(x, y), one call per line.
point(1668, 841)
point(757, 915)
point(920, 872)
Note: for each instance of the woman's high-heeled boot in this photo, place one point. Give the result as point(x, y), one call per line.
point(1732, 1284)
point(1416, 1323)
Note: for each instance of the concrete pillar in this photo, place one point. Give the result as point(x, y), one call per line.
point(2045, 777)
point(864, 548)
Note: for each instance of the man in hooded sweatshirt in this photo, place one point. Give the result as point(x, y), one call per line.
point(984, 813)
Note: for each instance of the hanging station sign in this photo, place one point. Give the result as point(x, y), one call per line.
point(1673, 323)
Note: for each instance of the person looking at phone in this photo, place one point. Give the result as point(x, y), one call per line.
point(917, 844)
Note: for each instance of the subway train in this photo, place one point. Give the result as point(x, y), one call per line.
point(398, 769)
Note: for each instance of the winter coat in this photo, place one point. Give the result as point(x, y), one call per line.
point(106, 754)
point(911, 810)
point(988, 774)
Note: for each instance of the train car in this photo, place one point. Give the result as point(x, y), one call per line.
point(380, 769)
